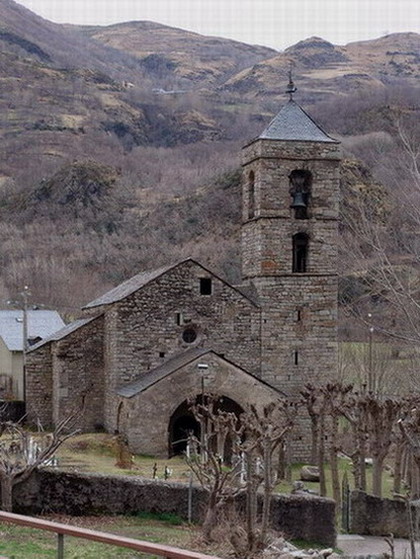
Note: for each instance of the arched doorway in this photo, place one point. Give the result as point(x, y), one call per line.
point(183, 423)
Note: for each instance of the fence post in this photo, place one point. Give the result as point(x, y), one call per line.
point(60, 546)
point(345, 504)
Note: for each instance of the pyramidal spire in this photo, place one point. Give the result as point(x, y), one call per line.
point(293, 123)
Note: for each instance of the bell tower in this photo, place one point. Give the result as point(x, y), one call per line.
point(289, 246)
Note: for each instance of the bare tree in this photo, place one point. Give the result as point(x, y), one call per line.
point(21, 453)
point(221, 482)
point(255, 438)
point(382, 416)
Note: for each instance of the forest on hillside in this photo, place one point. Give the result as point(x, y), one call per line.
point(121, 153)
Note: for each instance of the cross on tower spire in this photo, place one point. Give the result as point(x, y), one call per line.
point(290, 89)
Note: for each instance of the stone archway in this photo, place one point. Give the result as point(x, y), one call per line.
point(183, 422)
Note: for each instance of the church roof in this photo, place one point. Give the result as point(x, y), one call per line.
point(140, 280)
point(157, 374)
point(128, 287)
point(293, 123)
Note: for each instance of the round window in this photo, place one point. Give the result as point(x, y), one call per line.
point(189, 335)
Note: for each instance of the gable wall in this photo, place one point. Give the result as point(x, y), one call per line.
point(144, 325)
point(147, 415)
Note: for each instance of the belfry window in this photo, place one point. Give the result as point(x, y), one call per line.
point(300, 253)
point(300, 191)
point(251, 195)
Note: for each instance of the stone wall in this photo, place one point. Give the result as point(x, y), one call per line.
point(299, 517)
point(160, 402)
point(39, 386)
point(299, 309)
point(78, 375)
point(146, 328)
point(374, 516)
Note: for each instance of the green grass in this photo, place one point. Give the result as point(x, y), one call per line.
point(344, 467)
point(95, 453)
point(27, 543)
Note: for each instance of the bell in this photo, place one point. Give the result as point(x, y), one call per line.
point(298, 201)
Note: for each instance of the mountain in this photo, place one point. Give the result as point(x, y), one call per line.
point(323, 70)
point(121, 144)
point(176, 57)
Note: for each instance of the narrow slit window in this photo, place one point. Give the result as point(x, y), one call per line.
point(205, 286)
point(296, 357)
point(298, 315)
point(178, 318)
point(300, 253)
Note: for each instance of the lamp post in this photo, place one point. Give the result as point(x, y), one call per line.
point(202, 367)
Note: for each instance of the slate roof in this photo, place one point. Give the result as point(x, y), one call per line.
point(140, 280)
point(157, 374)
point(40, 324)
point(128, 287)
point(63, 332)
point(293, 123)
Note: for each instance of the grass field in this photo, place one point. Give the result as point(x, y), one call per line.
point(96, 453)
point(26, 543)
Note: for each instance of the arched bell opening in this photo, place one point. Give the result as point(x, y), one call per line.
point(183, 424)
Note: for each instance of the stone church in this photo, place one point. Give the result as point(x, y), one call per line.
point(147, 347)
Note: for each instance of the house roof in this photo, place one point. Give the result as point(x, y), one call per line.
point(135, 283)
point(157, 374)
point(41, 324)
point(293, 123)
point(63, 332)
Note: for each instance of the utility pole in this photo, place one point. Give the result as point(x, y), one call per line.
point(25, 295)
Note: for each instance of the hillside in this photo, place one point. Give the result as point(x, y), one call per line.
point(179, 58)
point(105, 170)
point(324, 70)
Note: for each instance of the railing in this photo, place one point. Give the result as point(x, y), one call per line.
point(111, 539)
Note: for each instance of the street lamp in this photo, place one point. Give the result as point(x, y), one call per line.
point(203, 367)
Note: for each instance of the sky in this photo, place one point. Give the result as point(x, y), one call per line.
point(274, 23)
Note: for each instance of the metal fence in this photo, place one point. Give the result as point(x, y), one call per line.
point(111, 539)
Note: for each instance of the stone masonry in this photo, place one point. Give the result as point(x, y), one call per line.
point(147, 347)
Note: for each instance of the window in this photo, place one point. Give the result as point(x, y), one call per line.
point(189, 335)
point(299, 315)
point(296, 358)
point(251, 195)
point(300, 191)
point(300, 253)
point(161, 354)
point(205, 286)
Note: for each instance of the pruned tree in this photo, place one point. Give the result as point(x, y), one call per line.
point(221, 482)
point(335, 399)
point(265, 431)
point(382, 415)
point(409, 425)
point(255, 438)
point(21, 452)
